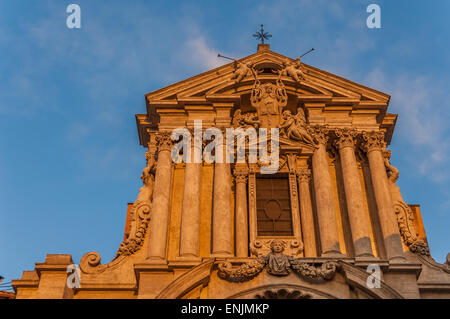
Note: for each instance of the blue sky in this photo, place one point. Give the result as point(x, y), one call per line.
point(70, 159)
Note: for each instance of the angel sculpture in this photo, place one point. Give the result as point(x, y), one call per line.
point(294, 127)
point(241, 71)
point(292, 69)
point(148, 178)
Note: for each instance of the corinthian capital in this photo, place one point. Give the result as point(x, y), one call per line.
point(163, 141)
point(320, 134)
point(373, 141)
point(240, 175)
point(304, 175)
point(346, 138)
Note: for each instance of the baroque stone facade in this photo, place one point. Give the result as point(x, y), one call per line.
point(331, 211)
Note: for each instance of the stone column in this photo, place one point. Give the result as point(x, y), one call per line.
point(359, 219)
point(326, 214)
point(190, 212)
point(306, 212)
point(222, 244)
point(374, 146)
point(160, 214)
point(241, 217)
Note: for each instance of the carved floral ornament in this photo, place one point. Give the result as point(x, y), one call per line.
point(374, 141)
point(345, 137)
point(304, 175)
point(283, 294)
point(163, 141)
point(404, 214)
point(240, 175)
point(277, 263)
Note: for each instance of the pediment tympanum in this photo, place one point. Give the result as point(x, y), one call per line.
point(267, 83)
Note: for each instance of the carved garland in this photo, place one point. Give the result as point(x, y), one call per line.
point(324, 272)
point(278, 264)
point(316, 272)
point(245, 272)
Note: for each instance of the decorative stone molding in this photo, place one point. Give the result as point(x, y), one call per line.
point(405, 219)
point(139, 221)
point(141, 217)
point(434, 264)
point(140, 212)
point(261, 247)
point(405, 216)
point(283, 294)
point(373, 141)
point(345, 138)
point(278, 264)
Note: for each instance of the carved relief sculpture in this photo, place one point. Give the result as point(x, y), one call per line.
point(241, 71)
point(283, 294)
point(294, 127)
point(269, 99)
point(405, 216)
point(293, 70)
point(277, 264)
point(245, 120)
point(325, 272)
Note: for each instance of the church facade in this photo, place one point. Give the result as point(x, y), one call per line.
point(328, 222)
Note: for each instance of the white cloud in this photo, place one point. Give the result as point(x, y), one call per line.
point(201, 54)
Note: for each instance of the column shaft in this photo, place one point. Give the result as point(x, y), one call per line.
point(160, 214)
point(388, 221)
point(190, 213)
point(328, 227)
point(306, 212)
point(359, 219)
point(241, 219)
point(222, 244)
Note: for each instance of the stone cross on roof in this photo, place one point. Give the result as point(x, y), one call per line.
point(262, 35)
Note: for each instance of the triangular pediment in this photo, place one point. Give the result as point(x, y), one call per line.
point(218, 84)
point(327, 99)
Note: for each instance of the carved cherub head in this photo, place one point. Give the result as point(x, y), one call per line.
point(286, 114)
point(277, 246)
